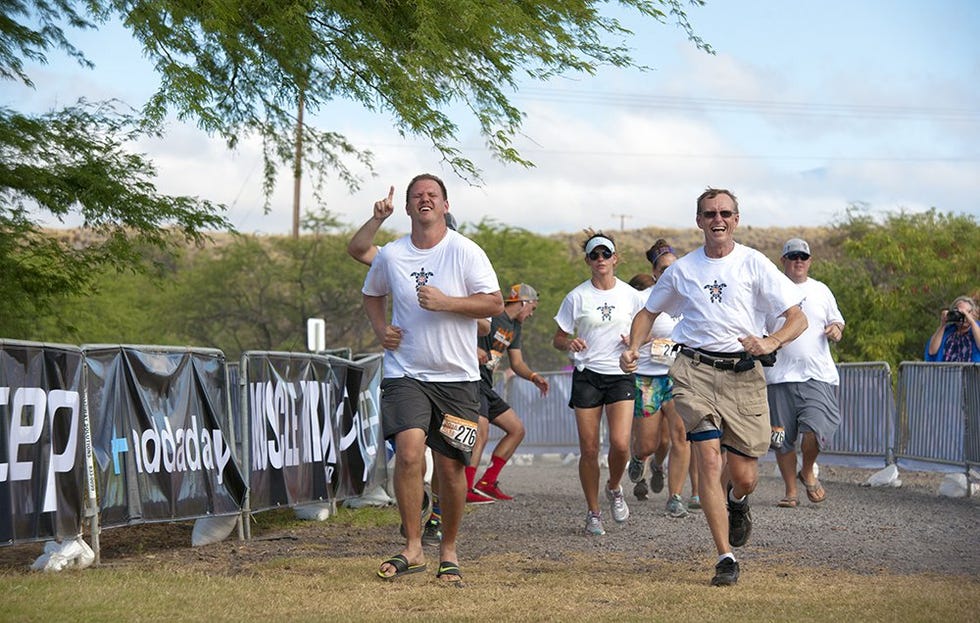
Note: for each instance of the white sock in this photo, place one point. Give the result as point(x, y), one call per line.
point(731, 496)
point(728, 555)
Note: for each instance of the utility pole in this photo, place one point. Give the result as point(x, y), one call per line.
point(622, 218)
point(298, 167)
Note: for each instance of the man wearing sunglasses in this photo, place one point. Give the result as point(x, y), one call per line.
point(723, 291)
point(803, 383)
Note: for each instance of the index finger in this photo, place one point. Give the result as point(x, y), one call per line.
point(391, 194)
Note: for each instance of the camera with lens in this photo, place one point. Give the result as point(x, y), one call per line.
point(954, 315)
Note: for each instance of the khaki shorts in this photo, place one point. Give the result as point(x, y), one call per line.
point(734, 403)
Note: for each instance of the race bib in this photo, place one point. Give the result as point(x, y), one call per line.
point(662, 350)
point(459, 433)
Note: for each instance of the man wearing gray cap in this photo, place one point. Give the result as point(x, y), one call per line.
point(802, 386)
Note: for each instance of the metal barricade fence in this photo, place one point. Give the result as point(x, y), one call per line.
point(937, 415)
point(938, 420)
point(867, 406)
point(548, 420)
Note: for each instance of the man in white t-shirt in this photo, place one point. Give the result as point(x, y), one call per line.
point(802, 386)
point(440, 283)
point(723, 291)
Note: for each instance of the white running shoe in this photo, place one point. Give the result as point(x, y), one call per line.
point(593, 524)
point(620, 511)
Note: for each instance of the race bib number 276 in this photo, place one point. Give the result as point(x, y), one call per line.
point(459, 433)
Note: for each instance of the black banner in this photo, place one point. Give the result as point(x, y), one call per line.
point(42, 447)
point(159, 419)
point(308, 441)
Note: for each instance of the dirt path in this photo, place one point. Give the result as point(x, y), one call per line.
point(905, 530)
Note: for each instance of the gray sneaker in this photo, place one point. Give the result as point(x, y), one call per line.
point(656, 476)
point(694, 503)
point(640, 490)
point(635, 470)
point(620, 511)
point(676, 507)
point(593, 524)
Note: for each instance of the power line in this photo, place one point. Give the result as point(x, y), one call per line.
point(745, 106)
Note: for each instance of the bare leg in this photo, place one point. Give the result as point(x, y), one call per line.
point(787, 469)
point(620, 417)
point(514, 432)
point(452, 498)
point(409, 469)
point(680, 450)
point(811, 449)
point(587, 421)
point(712, 494)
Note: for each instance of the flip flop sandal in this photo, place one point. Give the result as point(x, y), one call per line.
point(788, 503)
point(400, 563)
point(450, 568)
point(815, 492)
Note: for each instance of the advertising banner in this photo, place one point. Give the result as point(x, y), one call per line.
point(42, 449)
point(308, 441)
point(160, 425)
point(295, 403)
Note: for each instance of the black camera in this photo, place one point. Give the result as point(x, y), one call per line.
point(954, 315)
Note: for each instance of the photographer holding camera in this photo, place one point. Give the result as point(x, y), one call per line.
point(958, 335)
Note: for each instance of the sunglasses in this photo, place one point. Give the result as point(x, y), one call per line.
point(797, 255)
point(605, 253)
point(713, 213)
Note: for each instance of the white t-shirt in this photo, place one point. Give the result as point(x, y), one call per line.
point(808, 356)
point(435, 346)
point(722, 299)
point(601, 318)
point(660, 333)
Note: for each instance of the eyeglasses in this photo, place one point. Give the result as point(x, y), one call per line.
point(713, 213)
point(605, 253)
point(797, 255)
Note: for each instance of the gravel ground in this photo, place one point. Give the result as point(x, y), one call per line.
point(903, 530)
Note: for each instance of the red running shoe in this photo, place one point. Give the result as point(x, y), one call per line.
point(491, 489)
point(475, 497)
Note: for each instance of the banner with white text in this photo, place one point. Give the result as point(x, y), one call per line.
point(160, 426)
point(42, 449)
point(307, 442)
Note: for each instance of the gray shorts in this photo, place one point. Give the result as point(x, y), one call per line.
point(811, 406)
point(409, 403)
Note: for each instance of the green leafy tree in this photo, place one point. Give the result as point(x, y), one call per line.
point(519, 256)
point(894, 274)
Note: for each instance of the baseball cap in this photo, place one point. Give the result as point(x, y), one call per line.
point(599, 241)
point(796, 245)
point(521, 292)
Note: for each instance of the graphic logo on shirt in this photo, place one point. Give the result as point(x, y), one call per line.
point(421, 278)
point(714, 289)
point(606, 310)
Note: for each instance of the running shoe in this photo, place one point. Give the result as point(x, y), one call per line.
point(475, 497)
point(739, 520)
point(656, 477)
point(726, 572)
point(432, 532)
point(620, 511)
point(491, 489)
point(635, 470)
point(676, 507)
point(593, 524)
point(640, 490)
point(694, 503)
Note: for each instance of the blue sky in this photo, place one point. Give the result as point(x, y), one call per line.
point(805, 108)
